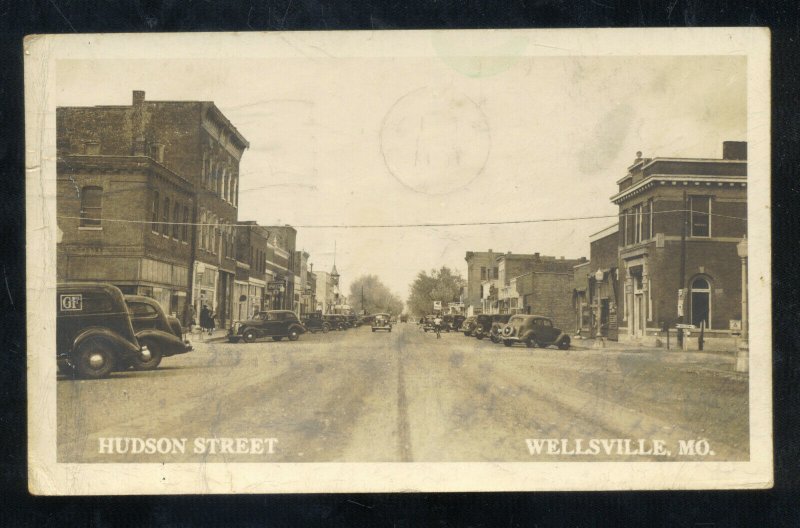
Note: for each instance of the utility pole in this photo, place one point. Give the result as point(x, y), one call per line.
point(363, 308)
point(682, 277)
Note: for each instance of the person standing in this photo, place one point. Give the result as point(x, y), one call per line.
point(205, 319)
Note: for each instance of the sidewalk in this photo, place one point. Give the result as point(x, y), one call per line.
point(717, 361)
point(196, 336)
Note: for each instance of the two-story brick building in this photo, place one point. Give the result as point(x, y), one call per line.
point(680, 220)
point(194, 143)
point(481, 266)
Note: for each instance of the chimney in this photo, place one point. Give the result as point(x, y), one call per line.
point(734, 150)
point(137, 124)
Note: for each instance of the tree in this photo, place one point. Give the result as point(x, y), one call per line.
point(441, 285)
point(369, 293)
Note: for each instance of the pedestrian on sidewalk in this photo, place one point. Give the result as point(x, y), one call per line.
point(206, 322)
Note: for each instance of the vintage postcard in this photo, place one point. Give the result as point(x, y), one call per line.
point(398, 261)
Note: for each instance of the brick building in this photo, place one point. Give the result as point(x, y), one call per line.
point(108, 233)
point(280, 267)
point(481, 266)
point(603, 283)
point(190, 140)
point(680, 222)
point(537, 284)
point(251, 269)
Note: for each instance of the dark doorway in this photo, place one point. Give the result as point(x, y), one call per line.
point(701, 305)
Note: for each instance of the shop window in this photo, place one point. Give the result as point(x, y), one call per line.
point(91, 206)
point(700, 210)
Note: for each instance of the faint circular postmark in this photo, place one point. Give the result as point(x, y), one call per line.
point(435, 141)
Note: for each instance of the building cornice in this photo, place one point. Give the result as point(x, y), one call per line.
point(97, 163)
point(684, 180)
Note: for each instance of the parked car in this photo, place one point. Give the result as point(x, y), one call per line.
point(456, 322)
point(162, 334)
point(276, 324)
point(427, 323)
point(336, 321)
point(533, 330)
point(498, 322)
point(316, 323)
point(382, 321)
point(94, 334)
point(468, 326)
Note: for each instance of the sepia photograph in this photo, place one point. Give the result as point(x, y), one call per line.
point(397, 261)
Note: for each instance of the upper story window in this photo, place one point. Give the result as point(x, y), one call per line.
point(176, 221)
point(700, 216)
point(91, 206)
point(154, 212)
point(483, 272)
point(185, 230)
point(91, 148)
point(165, 217)
point(495, 273)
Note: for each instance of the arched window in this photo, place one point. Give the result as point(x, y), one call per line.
point(91, 206)
point(701, 302)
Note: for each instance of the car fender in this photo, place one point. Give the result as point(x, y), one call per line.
point(127, 347)
point(561, 336)
point(300, 328)
point(170, 344)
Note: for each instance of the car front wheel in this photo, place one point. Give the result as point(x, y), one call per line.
point(564, 344)
point(294, 335)
point(140, 363)
point(249, 335)
point(325, 328)
point(94, 358)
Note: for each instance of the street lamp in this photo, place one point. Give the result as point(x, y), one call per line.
point(743, 350)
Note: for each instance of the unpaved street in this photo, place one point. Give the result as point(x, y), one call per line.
point(358, 396)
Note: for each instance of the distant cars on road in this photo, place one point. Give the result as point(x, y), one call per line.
point(381, 321)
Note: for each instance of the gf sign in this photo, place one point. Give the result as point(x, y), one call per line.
point(71, 302)
point(437, 305)
point(681, 299)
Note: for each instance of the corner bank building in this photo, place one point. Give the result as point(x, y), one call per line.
point(147, 200)
point(680, 220)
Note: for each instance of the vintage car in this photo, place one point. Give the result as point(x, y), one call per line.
point(468, 326)
point(336, 321)
point(533, 331)
point(498, 322)
point(484, 323)
point(162, 334)
point(382, 321)
point(456, 322)
point(427, 323)
point(276, 324)
point(94, 334)
point(316, 323)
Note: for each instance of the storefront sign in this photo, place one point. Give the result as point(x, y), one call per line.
point(276, 286)
point(681, 298)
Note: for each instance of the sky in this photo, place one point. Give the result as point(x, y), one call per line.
point(387, 141)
